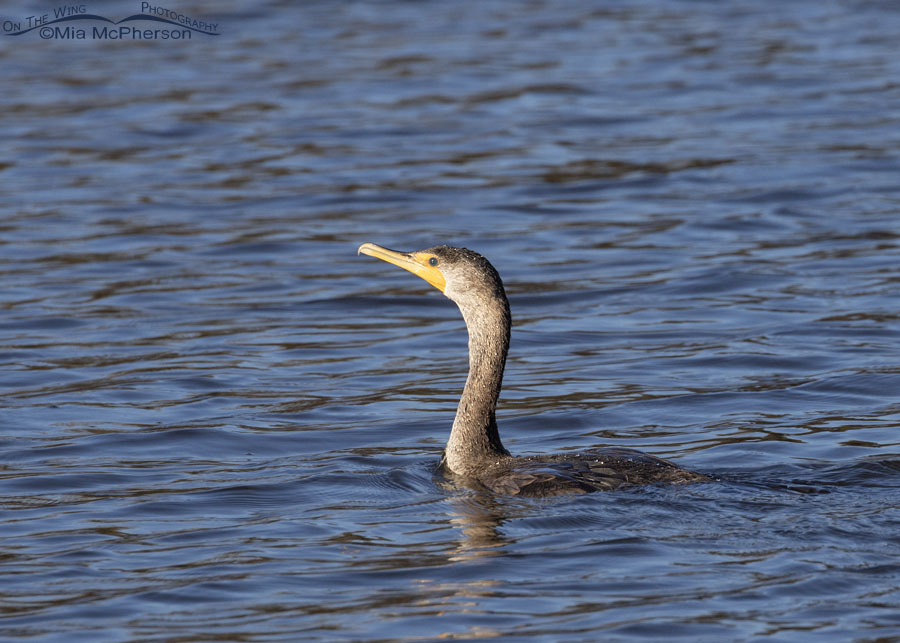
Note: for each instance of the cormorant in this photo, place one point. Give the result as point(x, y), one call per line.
point(474, 453)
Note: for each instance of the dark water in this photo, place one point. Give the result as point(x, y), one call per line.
point(219, 423)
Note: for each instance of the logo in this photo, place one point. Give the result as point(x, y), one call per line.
point(73, 22)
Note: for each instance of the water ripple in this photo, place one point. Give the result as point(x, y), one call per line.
point(209, 400)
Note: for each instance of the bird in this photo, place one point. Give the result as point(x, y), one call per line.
point(474, 455)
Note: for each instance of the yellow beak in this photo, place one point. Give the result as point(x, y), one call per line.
point(415, 262)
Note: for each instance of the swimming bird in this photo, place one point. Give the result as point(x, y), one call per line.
point(474, 453)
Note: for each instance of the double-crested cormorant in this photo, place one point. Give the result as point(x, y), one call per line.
point(474, 453)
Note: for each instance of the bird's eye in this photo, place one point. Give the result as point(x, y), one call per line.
point(433, 261)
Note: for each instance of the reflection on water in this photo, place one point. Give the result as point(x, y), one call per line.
point(219, 423)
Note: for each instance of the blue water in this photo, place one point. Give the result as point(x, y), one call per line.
point(218, 423)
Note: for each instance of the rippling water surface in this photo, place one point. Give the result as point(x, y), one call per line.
point(219, 423)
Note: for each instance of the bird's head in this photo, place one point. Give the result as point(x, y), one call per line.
point(462, 275)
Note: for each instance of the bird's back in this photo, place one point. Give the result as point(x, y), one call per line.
point(580, 472)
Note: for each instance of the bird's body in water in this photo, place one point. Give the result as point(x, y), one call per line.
point(474, 452)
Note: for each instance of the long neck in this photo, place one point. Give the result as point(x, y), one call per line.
point(474, 437)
